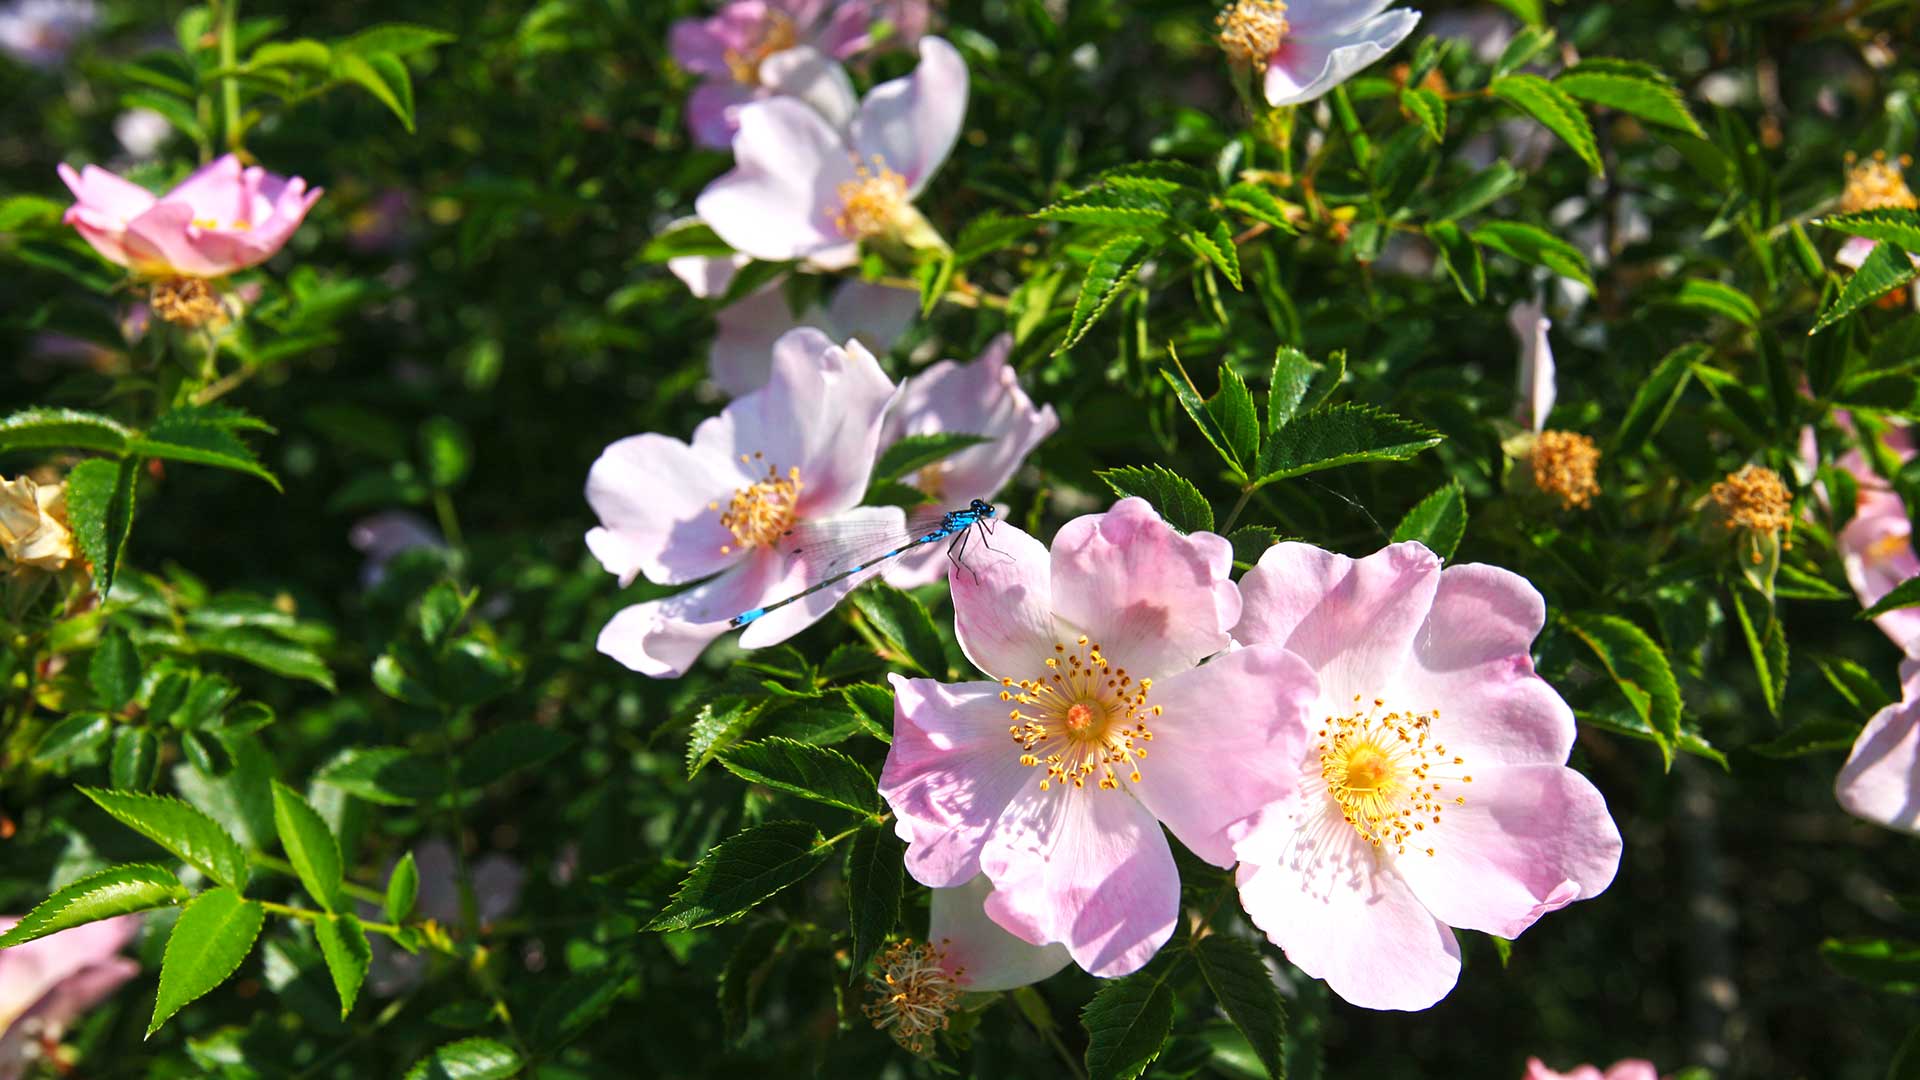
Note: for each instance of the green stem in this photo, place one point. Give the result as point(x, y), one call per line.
point(449, 521)
point(229, 59)
point(1246, 493)
point(315, 916)
point(281, 866)
point(1350, 125)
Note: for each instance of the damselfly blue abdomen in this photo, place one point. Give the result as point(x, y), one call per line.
point(959, 525)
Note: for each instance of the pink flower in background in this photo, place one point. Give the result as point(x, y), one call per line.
point(384, 536)
point(1537, 385)
point(40, 33)
point(46, 985)
point(1434, 790)
point(1308, 47)
point(795, 452)
point(497, 881)
point(141, 133)
point(1054, 780)
point(1630, 1069)
point(802, 188)
point(1878, 781)
point(980, 398)
point(223, 218)
point(1876, 546)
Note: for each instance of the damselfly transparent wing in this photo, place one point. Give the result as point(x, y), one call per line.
point(831, 546)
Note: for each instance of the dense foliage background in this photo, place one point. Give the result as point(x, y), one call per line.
point(478, 306)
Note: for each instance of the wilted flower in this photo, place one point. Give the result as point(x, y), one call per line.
point(1537, 384)
point(1630, 1069)
point(1042, 780)
point(46, 985)
point(795, 452)
point(912, 993)
point(802, 188)
point(1878, 782)
point(40, 32)
point(1433, 791)
point(34, 533)
point(1308, 47)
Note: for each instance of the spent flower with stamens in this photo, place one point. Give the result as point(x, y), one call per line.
point(1102, 726)
point(1433, 791)
point(1565, 465)
point(1877, 184)
point(1305, 48)
point(912, 993)
point(1753, 500)
point(1250, 31)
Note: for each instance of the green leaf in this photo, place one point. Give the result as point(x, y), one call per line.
point(1892, 966)
point(1639, 89)
point(1766, 642)
point(815, 772)
point(310, 845)
point(194, 435)
point(905, 625)
point(100, 509)
point(1887, 268)
point(382, 76)
point(986, 234)
point(576, 1004)
point(1906, 1060)
point(116, 890)
point(1112, 207)
point(468, 1059)
point(1429, 108)
point(1461, 256)
point(934, 273)
point(385, 775)
point(688, 236)
point(1638, 667)
point(1173, 495)
point(114, 669)
point(1234, 411)
point(396, 38)
point(1553, 107)
point(403, 889)
point(20, 213)
point(1854, 683)
point(1107, 273)
point(1718, 299)
point(717, 728)
point(1240, 983)
point(1438, 521)
point(1341, 435)
point(79, 733)
point(446, 450)
point(1816, 735)
point(1127, 1023)
point(872, 705)
point(1653, 402)
point(1215, 244)
point(1200, 412)
point(1256, 202)
point(876, 878)
point(181, 829)
point(744, 870)
point(1537, 246)
point(135, 762)
point(1904, 595)
point(1293, 376)
point(47, 429)
point(302, 54)
point(911, 453)
point(344, 946)
point(1487, 185)
point(746, 969)
point(267, 651)
point(1531, 41)
point(506, 750)
point(1898, 227)
point(212, 936)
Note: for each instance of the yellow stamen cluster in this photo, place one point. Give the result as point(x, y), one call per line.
point(214, 223)
point(913, 993)
point(869, 204)
point(763, 511)
point(1084, 719)
point(1564, 465)
point(780, 35)
point(1250, 31)
point(1755, 499)
point(185, 301)
point(1877, 184)
point(1387, 774)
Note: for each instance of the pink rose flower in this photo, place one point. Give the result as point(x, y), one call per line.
point(221, 219)
point(1537, 385)
point(1877, 782)
point(1308, 47)
point(1434, 791)
point(796, 452)
point(1630, 1069)
point(981, 398)
point(1876, 550)
point(804, 188)
point(46, 985)
point(1042, 780)
point(981, 954)
point(41, 32)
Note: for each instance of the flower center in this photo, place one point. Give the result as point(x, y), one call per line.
point(1386, 774)
point(764, 510)
point(779, 35)
point(1756, 499)
point(869, 203)
point(185, 301)
point(1250, 31)
point(1886, 548)
point(1875, 184)
point(914, 993)
point(1083, 718)
point(1564, 464)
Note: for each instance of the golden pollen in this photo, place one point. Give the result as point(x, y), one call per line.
point(1250, 31)
point(185, 301)
point(1564, 464)
point(1755, 499)
point(1083, 719)
point(763, 511)
point(1387, 776)
point(912, 993)
point(869, 204)
point(1877, 184)
point(779, 36)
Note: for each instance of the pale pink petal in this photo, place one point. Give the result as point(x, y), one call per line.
point(781, 198)
point(707, 276)
point(1536, 385)
point(216, 191)
point(713, 111)
point(1876, 550)
point(30, 973)
point(1306, 67)
point(951, 772)
point(1633, 1069)
point(740, 360)
point(662, 638)
point(805, 74)
point(1003, 607)
point(1855, 251)
point(653, 495)
point(799, 573)
point(1472, 666)
point(846, 31)
point(1354, 621)
point(701, 45)
point(1528, 840)
point(1320, 18)
point(1086, 867)
point(1223, 727)
point(1155, 601)
point(1340, 914)
point(1537, 1070)
point(981, 955)
point(1878, 782)
point(911, 123)
point(102, 191)
point(158, 243)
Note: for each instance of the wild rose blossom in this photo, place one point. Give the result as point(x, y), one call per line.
point(803, 188)
point(980, 398)
point(225, 217)
point(1043, 780)
point(46, 985)
point(1878, 781)
point(796, 452)
point(1308, 47)
point(40, 33)
point(1876, 546)
point(1630, 1069)
point(1433, 791)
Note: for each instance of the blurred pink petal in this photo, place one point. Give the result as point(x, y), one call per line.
point(1327, 42)
point(46, 985)
point(223, 218)
point(1878, 782)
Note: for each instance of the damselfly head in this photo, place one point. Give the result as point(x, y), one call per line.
point(980, 508)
